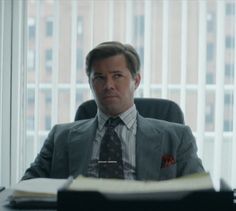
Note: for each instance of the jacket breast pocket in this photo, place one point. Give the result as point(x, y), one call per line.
point(168, 172)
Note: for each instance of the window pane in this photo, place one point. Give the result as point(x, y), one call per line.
point(45, 106)
point(208, 154)
point(228, 111)
point(81, 96)
point(175, 44)
point(210, 111)
point(30, 109)
point(192, 42)
point(63, 105)
point(226, 162)
point(49, 27)
point(29, 146)
point(191, 110)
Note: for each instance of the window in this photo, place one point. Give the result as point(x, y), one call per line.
point(30, 97)
point(48, 122)
point(181, 60)
point(31, 60)
point(30, 122)
point(229, 70)
point(139, 26)
point(228, 125)
point(228, 99)
point(210, 78)
point(79, 25)
point(229, 42)
point(49, 27)
point(31, 28)
point(210, 51)
point(48, 99)
point(230, 9)
point(79, 60)
point(48, 59)
point(209, 115)
point(210, 22)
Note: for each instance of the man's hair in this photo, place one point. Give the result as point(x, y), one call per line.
point(108, 49)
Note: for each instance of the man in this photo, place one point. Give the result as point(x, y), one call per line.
point(136, 148)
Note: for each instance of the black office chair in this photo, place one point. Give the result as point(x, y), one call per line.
point(148, 107)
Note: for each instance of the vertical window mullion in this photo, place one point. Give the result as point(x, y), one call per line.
point(233, 167)
point(92, 23)
point(92, 33)
point(73, 59)
point(111, 20)
point(37, 76)
point(165, 49)
point(5, 91)
point(129, 18)
point(219, 110)
point(147, 48)
point(2, 9)
point(184, 28)
point(201, 95)
point(18, 90)
point(55, 72)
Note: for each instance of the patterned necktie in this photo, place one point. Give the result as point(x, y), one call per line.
point(110, 162)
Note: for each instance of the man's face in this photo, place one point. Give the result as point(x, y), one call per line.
point(112, 85)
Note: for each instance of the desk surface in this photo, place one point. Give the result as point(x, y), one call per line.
point(3, 202)
point(217, 199)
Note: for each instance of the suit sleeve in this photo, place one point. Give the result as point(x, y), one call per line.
point(188, 161)
point(41, 166)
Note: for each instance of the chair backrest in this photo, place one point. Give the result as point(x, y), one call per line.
point(148, 107)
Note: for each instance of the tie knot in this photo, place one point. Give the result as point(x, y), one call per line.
point(113, 122)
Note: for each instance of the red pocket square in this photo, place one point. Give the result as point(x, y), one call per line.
point(167, 160)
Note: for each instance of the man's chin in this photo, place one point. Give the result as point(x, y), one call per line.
point(110, 101)
point(111, 109)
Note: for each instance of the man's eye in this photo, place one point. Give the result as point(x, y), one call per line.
point(98, 77)
point(116, 76)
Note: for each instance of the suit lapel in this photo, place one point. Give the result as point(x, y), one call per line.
point(80, 147)
point(148, 150)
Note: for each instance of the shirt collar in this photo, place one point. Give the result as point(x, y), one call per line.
point(128, 117)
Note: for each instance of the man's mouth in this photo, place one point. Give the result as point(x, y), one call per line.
point(109, 96)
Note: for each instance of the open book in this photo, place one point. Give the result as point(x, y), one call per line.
point(38, 192)
point(45, 190)
point(194, 182)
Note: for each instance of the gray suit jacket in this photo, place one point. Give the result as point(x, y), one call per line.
point(67, 150)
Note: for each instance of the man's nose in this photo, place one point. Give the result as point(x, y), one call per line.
point(109, 83)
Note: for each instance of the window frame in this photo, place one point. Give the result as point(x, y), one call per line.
point(5, 90)
point(13, 62)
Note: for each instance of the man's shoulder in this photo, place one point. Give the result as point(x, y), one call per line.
point(174, 131)
point(80, 124)
point(162, 125)
point(159, 122)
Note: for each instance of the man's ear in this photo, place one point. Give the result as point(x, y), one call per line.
point(137, 80)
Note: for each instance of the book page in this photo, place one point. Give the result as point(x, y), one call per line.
point(201, 181)
point(38, 186)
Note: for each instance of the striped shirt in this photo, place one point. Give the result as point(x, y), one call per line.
point(126, 133)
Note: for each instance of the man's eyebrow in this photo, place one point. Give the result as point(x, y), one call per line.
point(116, 71)
point(111, 71)
point(97, 73)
